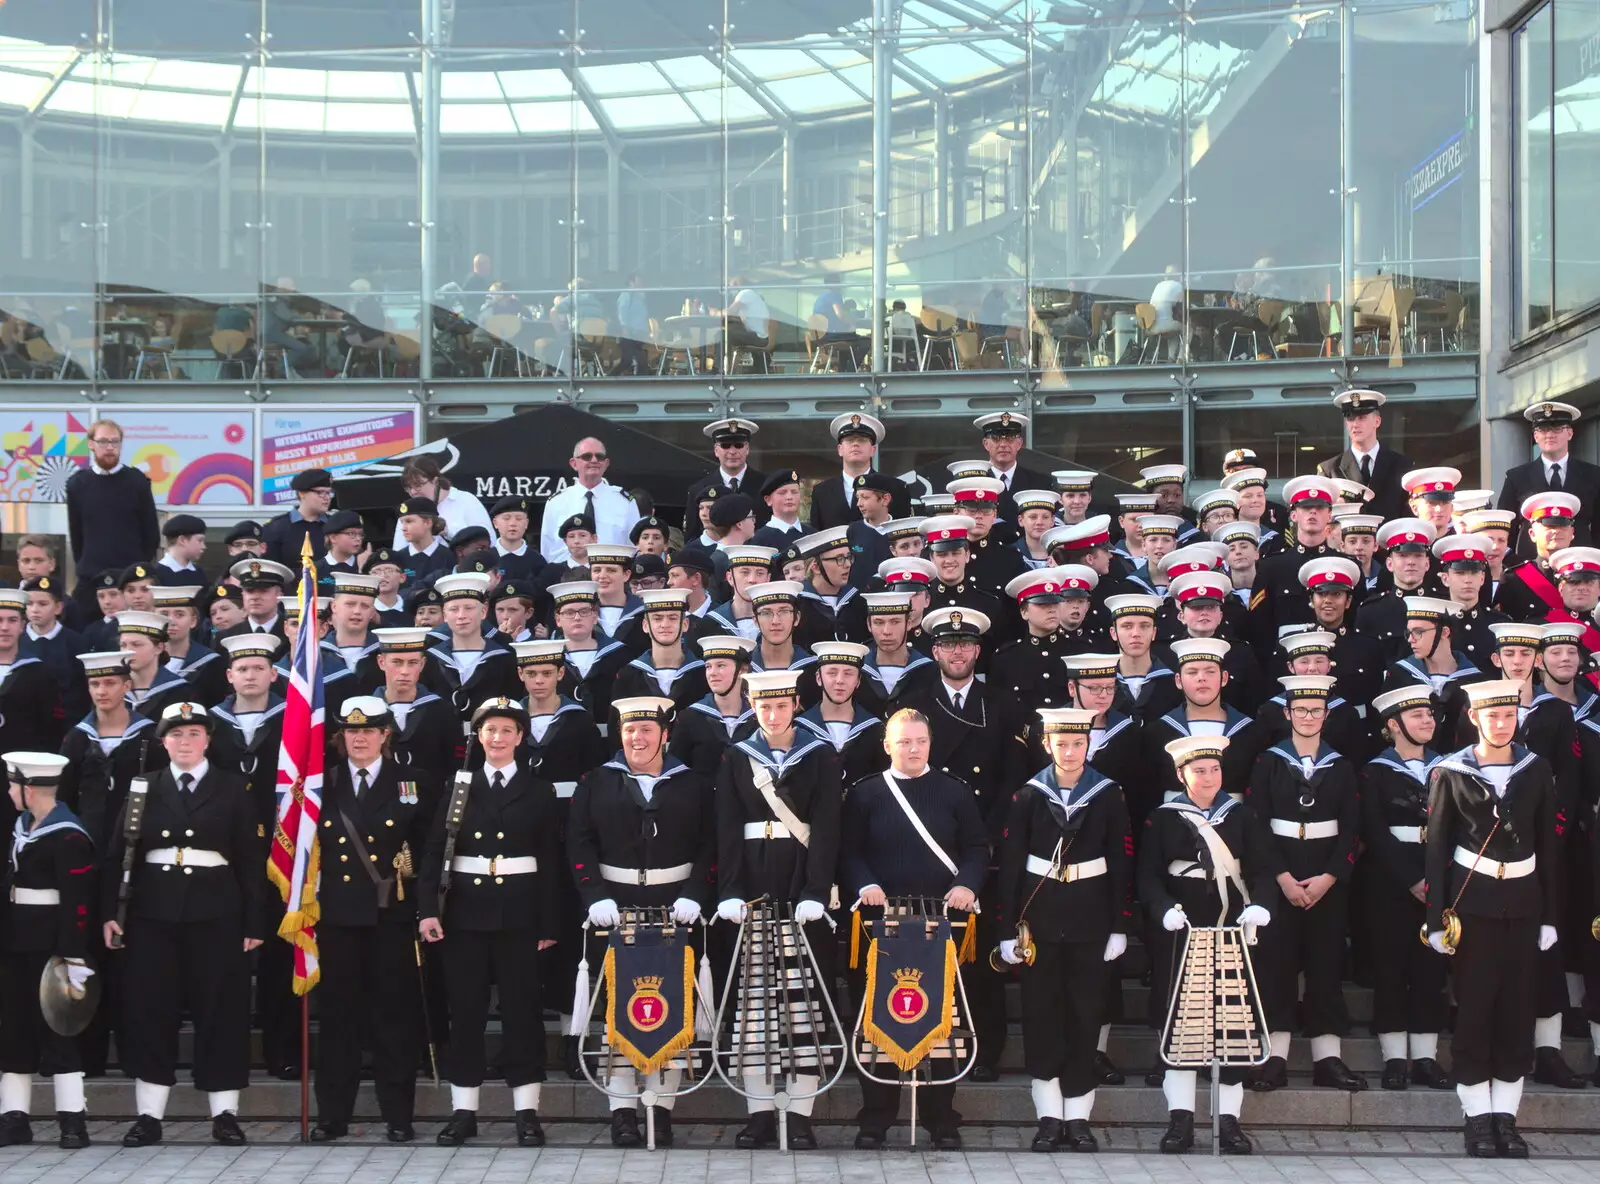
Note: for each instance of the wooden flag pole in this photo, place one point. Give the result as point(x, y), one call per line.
point(305, 1067)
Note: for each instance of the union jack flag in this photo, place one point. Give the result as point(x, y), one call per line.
point(294, 862)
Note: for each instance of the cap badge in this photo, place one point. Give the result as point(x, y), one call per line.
point(955, 619)
point(357, 717)
point(185, 710)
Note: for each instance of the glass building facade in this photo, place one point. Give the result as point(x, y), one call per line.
point(1165, 230)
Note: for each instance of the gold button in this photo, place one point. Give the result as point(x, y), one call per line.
point(499, 834)
point(188, 834)
point(477, 834)
point(166, 834)
point(388, 822)
point(341, 840)
point(372, 838)
point(188, 871)
point(499, 880)
point(976, 769)
point(344, 859)
point(328, 822)
point(477, 879)
point(374, 858)
point(347, 879)
point(944, 768)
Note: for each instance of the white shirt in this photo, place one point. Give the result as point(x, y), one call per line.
point(752, 310)
point(890, 675)
point(258, 627)
point(838, 732)
point(1360, 456)
point(583, 660)
point(199, 773)
point(726, 478)
point(1207, 727)
point(1550, 464)
point(401, 712)
point(99, 472)
point(1497, 776)
point(166, 562)
point(539, 725)
point(961, 691)
point(614, 516)
point(647, 784)
point(249, 722)
point(1003, 475)
point(502, 550)
point(372, 772)
point(459, 509)
point(777, 523)
point(392, 607)
point(46, 636)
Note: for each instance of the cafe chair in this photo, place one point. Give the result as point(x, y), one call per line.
point(230, 346)
point(503, 328)
point(1439, 318)
point(270, 358)
point(365, 356)
point(43, 358)
point(408, 355)
point(155, 357)
point(905, 351)
point(1157, 342)
point(939, 340)
point(999, 345)
point(757, 357)
point(587, 340)
point(678, 348)
point(84, 352)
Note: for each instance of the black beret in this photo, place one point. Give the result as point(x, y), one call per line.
point(341, 520)
point(181, 524)
point(731, 510)
point(429, 595)
point(790, 554)
point(43, 584)
point(469, 536)
point(509, 505)
point(577, 522)
point(513, 590)
point(706, 493)
point(425, 507)
point(108, 579)
point(649, 522)
point(648, 566)
point(229, 592)
point(383, 555)
point(694, 559)
point(311, 479)
point(133, 574)
point(243, 530)
point(481, 560)
point(776, 481)
point(879, 482)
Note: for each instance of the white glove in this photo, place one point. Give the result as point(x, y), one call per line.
point(1547, 937)
point(1174, 920)
point(1008, 952)
point(732, 910)
point(1436, 940)
point(603, 914)
point(78, 973)
point(1255, 915)
point(1116, 946)
point(685, 911)
point(808, 911)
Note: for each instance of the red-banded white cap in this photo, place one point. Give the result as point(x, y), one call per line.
point(1438, 483)
point(1557, 509)
point(1312, 488)
point(1461, 548)
point(907, 569)
point(1201, 556)
point(1200, 585)
point(1412, 533)
point(1081, 536)
point(1575, 559)
point(1330, 570)
point(976, 489)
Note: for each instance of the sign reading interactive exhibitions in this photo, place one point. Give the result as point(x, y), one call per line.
point(293, 441)
point(193, 458)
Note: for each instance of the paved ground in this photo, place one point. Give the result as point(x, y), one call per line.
point(582, 1157)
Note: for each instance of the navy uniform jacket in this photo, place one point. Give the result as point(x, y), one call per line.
point(1171, 839)
point(880, 846)
point(861, 754)
point(807, 781)
point(395, 811)
point(984, 744)
point(613, 823)
point(701, 735)
point(56, 854)
point(95, 784)
point(429, 741)
point(1392, 794)
point(1280, 790)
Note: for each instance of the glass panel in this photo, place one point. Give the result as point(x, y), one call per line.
point(1105, 440)
point(1107, 103)
point(1416, 178)
point(48, 241)
point(1261, 85)
point(1535, 91)
point(1290, 439)
point(1576, 157)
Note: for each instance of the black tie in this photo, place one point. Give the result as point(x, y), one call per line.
point(186, 781)
point(361, 789)
point(1366, 469)
point(1555, 476)
point(733, 484)
point(958, 697)
point(588, 508)
point(497, 781)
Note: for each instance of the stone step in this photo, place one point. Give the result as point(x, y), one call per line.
point(1006, 1102)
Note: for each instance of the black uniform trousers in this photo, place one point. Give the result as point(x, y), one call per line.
point(277, 1010)
point(94, 1044)
point(1408, 976)
point(27, 1045)
point(880, 1103)
point(1495, 978)
point(986, 989)
point(370, 996)
point(1308, 941)
point(1165, 951)
point(509, 959)
point(199, 967)
point(1063, 998)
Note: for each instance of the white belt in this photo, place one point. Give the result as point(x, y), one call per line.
point(480, 865)
point(1493, 867)
point(185, 857)
point(35, 896)
point(646, 876)
point(565, 789)
point(1305, 830)
point(1087, 870)
point(1407, 834)
point(1188, 869)
point(767, 830)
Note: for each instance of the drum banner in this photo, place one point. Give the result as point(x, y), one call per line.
point(649, 998)
point(911, 993)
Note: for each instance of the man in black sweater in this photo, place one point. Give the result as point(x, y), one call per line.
point(111, 513)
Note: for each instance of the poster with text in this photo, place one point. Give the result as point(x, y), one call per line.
point(39, 450)
point(193, 458)
point(292, 441)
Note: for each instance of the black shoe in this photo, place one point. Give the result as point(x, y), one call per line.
point(663, 1118)
point(1395, 1075)
point(286, 1072)
point(761, 1131)
point(145, 1132)
point(1479, 1135)
point(1230, 1139)
point(400, 1132)
point(1507, 1141)
point(14, 1129)
point(1427, 1071)
point(225, 1130)
point(1048, 1138)
point(625, 1128)
point(327, 1132)
point(1551, 1068)
point(984, 1074)
point(947, 1138)
point(569, 1050)
point(1272, 1075)
point(870, 1138)
point(1333, 1073)
point(1180, 1133)
point(529, 1132)
point(802, 1135)
point(1076, 1136)
point(462, 1126)
point(1156, 1077)
point(74, 1129)
point(1106, 1071)
point(1574, 1024)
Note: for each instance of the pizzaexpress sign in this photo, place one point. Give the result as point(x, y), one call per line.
point(1446, 166)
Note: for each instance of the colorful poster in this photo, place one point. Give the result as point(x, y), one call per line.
point(39, 450)
point(292, 441)
point(193, 458)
